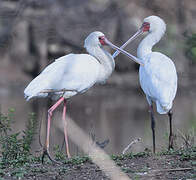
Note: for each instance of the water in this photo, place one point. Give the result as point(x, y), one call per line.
point(110, 112)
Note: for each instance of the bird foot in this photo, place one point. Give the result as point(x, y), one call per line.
point(46, 153)
point(171, 138)
point(68, 155)
point(39, 152)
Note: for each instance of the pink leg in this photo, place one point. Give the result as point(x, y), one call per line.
point(65, 129)
point(50, 111)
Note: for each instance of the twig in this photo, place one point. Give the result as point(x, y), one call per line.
point(169, 170)
point(152, 173)
point(53, 90)
point(184, 138)
point(129, 146)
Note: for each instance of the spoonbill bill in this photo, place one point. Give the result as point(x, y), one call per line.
point(73, 74)
point(158, 77)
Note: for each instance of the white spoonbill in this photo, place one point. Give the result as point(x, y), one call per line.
point(158, 77)
point(73, 74)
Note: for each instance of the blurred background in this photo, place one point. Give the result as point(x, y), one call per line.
point(34, 33)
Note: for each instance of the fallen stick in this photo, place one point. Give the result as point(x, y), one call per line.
point(169, 170)
point(152, 173)
point(131, 144)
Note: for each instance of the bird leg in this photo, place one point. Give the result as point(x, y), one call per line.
point(170, 114)
point(46, 146)
point(65, 129)
point(63, 144)
point(152, 126)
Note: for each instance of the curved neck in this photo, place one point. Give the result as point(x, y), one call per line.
point(145, 47)
point(106, 61)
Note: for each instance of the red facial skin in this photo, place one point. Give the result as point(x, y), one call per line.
point(102, 40)
point(145, 26)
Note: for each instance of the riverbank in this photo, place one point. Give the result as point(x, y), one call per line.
point(180, 164)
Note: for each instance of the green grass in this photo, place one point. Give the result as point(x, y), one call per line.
point(185, 154)
point(130, 155)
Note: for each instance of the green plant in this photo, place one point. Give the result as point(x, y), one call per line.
point(59, 155)
point(19, 173)
point(191, 48)
point(5, 122)
point(15, 149)
point(130, 156)
point(29, 133)
point(77, 160)
point(127, 170)
point(185, 154)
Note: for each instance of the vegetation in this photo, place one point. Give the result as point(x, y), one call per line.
point(191, 48)
point(15, 147)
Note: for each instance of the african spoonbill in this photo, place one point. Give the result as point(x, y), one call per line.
point(73, 74)
point(158, 77)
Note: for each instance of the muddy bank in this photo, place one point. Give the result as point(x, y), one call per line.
point(179, 164)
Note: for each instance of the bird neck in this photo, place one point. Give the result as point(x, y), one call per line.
point(145, 47)
point(106, 61)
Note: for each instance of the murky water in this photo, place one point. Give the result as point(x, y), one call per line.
point(120, 115)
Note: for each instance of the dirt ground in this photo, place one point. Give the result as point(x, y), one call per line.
point(168, 165)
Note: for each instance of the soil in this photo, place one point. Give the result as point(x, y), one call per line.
point(140, 166)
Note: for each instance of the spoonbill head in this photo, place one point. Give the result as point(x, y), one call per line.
point(94, 39)
point(153, 24)
point(150, 24)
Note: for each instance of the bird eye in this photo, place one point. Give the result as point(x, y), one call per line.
point(101, 37)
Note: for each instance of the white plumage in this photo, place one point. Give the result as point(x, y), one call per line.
point(158, 77)
point(77, 72)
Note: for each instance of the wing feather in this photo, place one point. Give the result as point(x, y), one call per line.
point(158, 79)
point(74, 71)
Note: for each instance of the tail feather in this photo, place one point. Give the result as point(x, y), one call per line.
point(37, 85)
point(27, 98)
point(163, 108)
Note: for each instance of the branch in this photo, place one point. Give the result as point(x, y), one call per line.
point(129, 146)
point(169, 170)
point(184, 138)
